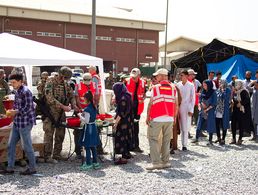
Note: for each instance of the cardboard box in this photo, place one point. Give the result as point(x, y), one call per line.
point(39, 149)
point(4, 154)
point(38, 146)
point(4, 137)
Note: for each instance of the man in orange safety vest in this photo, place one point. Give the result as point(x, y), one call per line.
point(136, 87)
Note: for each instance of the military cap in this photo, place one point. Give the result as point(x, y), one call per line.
point(66, 72)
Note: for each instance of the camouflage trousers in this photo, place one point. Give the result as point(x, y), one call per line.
point(51, 135)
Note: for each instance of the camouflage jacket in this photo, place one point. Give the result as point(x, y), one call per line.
point(4, 85)
point(57, 93)
point(41, 87)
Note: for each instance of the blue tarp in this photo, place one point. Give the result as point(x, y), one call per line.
point(236, 65)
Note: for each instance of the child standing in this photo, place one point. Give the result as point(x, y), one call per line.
point(89, 138)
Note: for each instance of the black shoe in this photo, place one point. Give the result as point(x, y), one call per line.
point(127, 156)
point(172, 151)
point(138, 150)
point(28, 172)
point(222, 142)
point(6, 172)
point(184, 149)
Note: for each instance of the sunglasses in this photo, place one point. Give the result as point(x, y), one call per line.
point(87, 79)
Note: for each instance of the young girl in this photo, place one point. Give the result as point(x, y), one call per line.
point(89, 138)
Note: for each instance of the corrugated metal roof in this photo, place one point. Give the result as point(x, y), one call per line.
point(80, 7)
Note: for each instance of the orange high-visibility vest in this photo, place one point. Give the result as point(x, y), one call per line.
point(82, 89)
point(99, 82)
point(131, 85)
point(163, 100)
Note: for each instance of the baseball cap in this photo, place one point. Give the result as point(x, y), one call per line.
point(191, 71)
point(135, 72)
point(87, 78)
point(161, 71)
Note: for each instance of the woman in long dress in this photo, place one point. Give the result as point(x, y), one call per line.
point(207, 106)
point(222, 110)
point(241, 115)
point(123, 122)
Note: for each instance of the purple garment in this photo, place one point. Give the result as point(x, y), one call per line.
point(24, 104)
point(122, 93)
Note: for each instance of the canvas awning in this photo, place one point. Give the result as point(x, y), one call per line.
point(18, 51)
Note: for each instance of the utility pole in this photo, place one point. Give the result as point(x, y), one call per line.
point(166, 34)
point(93, 29)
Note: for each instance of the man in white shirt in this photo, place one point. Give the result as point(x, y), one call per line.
point(186, 108)
point(211, 76)
point(248, 81)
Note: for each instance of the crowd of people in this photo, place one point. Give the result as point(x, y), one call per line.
point(213, 106)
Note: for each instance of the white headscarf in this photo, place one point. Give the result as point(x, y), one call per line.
point(239, 86)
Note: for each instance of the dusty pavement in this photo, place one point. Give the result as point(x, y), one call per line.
point(201, 170)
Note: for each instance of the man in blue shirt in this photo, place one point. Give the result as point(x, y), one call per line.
point(24, 118)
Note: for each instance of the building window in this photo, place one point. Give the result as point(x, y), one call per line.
point(75, 36)
point(48, 34)
point(126, 40)
point(19, 32)
point(103, 38)
point(146, 41)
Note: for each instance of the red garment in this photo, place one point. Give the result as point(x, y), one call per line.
point(99, 82)
point(131, 85)
point(82, 89)
point(163, 100)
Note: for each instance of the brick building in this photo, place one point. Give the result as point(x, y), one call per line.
point(123, 43)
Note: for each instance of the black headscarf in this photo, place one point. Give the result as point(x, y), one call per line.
point(207, 94)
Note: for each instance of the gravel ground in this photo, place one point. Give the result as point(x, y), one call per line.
point(201, 170)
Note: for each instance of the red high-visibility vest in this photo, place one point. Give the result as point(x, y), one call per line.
point(99, 82)
point(163, 100)
point(131, 85)
point(82, 89)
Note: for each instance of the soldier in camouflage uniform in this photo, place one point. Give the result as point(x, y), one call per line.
point(58, 95)
point(41, 84)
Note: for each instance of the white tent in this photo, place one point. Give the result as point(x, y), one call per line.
point(18, 51)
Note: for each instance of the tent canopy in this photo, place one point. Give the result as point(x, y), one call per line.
point(18, 51)
point(236, 65)
point(216, 51)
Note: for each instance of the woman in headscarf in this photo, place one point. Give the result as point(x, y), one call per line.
point(241, 115)
point(123, 122)
point(222, 110)
point(207, 105)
